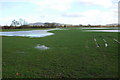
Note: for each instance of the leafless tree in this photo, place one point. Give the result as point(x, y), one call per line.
point(22, 22)
point(15, 23)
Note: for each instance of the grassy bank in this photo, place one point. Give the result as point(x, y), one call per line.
point(72, 54)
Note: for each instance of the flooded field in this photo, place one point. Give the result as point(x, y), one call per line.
point(43, 33)
point(69, 53)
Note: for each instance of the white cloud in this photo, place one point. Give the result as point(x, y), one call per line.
point(14, 0)
point(104, 3)
point(93, 17)
point(60, 5)
point(64, 5)
point(85, 17)
point(72, 15)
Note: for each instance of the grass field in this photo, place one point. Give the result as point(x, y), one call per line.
point(72, 54)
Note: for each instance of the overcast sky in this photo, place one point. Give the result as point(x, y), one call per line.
point(61, 11)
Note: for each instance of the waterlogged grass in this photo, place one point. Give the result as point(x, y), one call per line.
point(72, 54)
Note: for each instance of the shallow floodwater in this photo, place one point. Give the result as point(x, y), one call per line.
point(32, 33)
point(94, 28)
point(111, 28)
point(41, 47)
point(102, 30)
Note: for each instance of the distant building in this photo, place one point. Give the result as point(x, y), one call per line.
point(115, 25)
point(36, 24)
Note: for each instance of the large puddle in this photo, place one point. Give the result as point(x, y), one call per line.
point(102, 30)
point(94, 28)
point(32, 33)
point(41, 47)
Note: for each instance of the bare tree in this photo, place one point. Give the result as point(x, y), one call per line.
point(80, 25)
point(89, 25)
point(15, 23)
point(22, 22)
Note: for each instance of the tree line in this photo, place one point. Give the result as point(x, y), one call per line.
point(21, 23)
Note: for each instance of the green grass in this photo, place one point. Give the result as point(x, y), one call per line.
point(72, 54)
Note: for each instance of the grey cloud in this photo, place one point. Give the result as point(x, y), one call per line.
point(71, 15)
